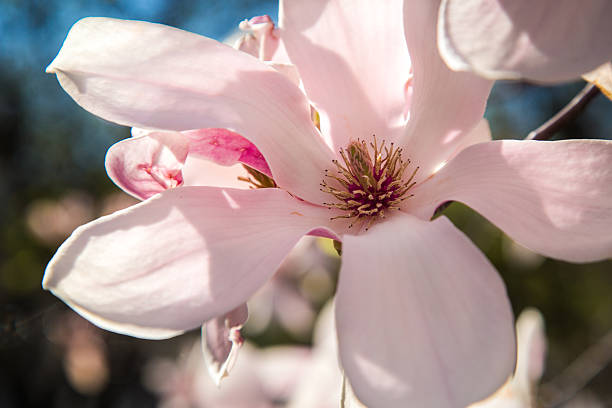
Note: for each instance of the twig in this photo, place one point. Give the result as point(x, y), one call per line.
point(578, 374)
point(565, 115)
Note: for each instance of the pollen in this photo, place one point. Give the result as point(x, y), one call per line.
point(368, 186)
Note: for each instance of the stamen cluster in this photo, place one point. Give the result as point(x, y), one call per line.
point(257, 179)
point(368, 187)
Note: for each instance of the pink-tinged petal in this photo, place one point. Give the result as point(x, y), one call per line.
point(226, 148)
point(349, 400)
point(353, 62)
point(423, 318)
point(198, 171)
point(288, 70)
point(258, 39)
point(545, 41)
point(553, 197)
point(146, 165)
point(178, 259)
point(445, 105)
point(157, 77)
point(154, 161)
point(261, 40)
point(436, 159)
point(221, 341)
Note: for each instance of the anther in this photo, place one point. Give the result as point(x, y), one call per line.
point(369, 180)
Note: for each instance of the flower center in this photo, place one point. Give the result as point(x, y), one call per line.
point(368, 185)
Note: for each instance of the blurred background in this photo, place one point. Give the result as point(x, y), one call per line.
point(52, 179)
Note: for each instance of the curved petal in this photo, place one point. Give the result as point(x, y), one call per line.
point(479, 134)
point(353, 62)
point(288, 70)
point(552, 197)
point(221, 341)
point(546, 41)
point(445, 105)
point(155, 161)
point(146, 165)
point(153, 76)
point(261, 40)
point(179, 258)
point(198, 171)
point(226, 148)
point(423, 318)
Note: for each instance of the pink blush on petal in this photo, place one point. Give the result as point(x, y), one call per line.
point(146, 165)
point(324, 233)
point(225, 147)
point(167, 178)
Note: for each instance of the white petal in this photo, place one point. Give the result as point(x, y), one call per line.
point(147, 164)
point(544, 40)
point(353, 62)
point(423, 318)
point(178, 259)
point(445, 105)
point(221, 341)
point(157, 77)
point(553, 197)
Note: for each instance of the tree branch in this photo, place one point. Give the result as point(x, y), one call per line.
point(565, 115)
point(578, 374)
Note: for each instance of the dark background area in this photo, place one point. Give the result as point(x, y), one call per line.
point(52, 168)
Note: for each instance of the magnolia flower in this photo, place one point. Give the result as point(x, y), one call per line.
point(151, 162)
point(422, 317)
point(545, 41)
point(267, 377)
point(154, 161)
point(320, 385)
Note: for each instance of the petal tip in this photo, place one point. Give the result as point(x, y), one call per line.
point(46, 281)
point(50, 69)
point(49, 281)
